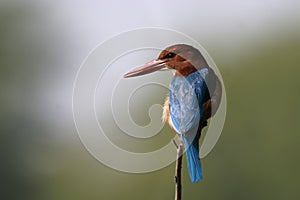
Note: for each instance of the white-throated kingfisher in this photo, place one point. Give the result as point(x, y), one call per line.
point(194, 96)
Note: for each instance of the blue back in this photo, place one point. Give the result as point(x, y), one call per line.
point(186, 99)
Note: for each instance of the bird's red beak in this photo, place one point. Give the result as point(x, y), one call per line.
point(147, 68)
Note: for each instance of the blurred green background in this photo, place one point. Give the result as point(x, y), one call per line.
point(256, 46)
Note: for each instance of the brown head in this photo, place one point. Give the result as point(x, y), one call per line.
point(183, 58)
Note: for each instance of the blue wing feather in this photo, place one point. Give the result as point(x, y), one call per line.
point(186, 99)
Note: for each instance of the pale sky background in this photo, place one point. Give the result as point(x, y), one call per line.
point(231, 24)
point(66, 31)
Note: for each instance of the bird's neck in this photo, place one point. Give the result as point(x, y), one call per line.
point(185, 71)
point(186, 68)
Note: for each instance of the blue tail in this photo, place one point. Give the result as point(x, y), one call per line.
point(193, 160)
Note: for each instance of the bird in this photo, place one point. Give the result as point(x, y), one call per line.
point(194, 96)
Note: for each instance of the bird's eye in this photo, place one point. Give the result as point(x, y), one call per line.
point(170, 55)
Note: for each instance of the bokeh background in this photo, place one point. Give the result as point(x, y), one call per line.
point(256, 45)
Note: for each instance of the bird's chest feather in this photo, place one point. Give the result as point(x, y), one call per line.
point(186, 99)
